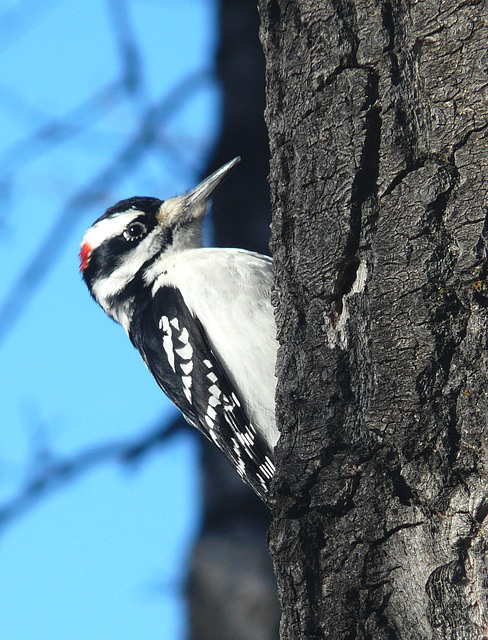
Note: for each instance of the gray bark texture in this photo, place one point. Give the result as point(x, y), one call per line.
point(377, 115)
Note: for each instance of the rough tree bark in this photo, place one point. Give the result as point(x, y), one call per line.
point(377, 115)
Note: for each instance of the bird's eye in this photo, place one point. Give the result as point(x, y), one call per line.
point(134, 231)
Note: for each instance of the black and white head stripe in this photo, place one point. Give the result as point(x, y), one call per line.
point(119, 245)
point(175, 348)
point(115, 220)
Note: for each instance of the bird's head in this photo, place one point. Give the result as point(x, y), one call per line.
point(129, 237)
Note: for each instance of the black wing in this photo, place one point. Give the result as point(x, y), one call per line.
point(176, 350)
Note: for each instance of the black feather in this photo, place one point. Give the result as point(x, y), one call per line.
point(196, 382)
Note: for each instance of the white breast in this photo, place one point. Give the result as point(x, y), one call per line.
point(229, 291)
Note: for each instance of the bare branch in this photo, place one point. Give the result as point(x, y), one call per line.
point(129, 51)
point(57, 472)
point(59, 130)
point(16, 21)
point(50, 248)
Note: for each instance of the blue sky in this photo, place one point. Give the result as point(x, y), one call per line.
point(104, 556)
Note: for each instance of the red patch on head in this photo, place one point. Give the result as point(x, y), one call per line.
point(85, 253)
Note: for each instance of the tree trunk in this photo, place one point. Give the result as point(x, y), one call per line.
point(377, 115)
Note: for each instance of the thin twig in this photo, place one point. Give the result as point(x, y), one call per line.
point(58, 471)
point(42, 261)
point(59, 130)
point(17, 20)
point(129, 50)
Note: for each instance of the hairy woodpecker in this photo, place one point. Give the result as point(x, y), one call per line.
point(201, 318)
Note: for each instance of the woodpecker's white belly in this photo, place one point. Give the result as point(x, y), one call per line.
point(218, 286)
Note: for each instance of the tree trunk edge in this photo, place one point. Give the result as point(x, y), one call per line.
point(378, 529)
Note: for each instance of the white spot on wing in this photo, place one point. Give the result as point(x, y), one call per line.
point(187, 387)
point(214, 401)
point(215, 391)
point(167, 341)
point(185, 352)
point(187, 367)
point(267, 467)
point(184, 336)
point(245, 439)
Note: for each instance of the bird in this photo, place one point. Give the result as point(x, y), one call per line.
point(200, 317)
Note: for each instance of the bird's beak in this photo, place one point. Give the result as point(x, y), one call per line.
point(204, 190)
point(193, 205)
